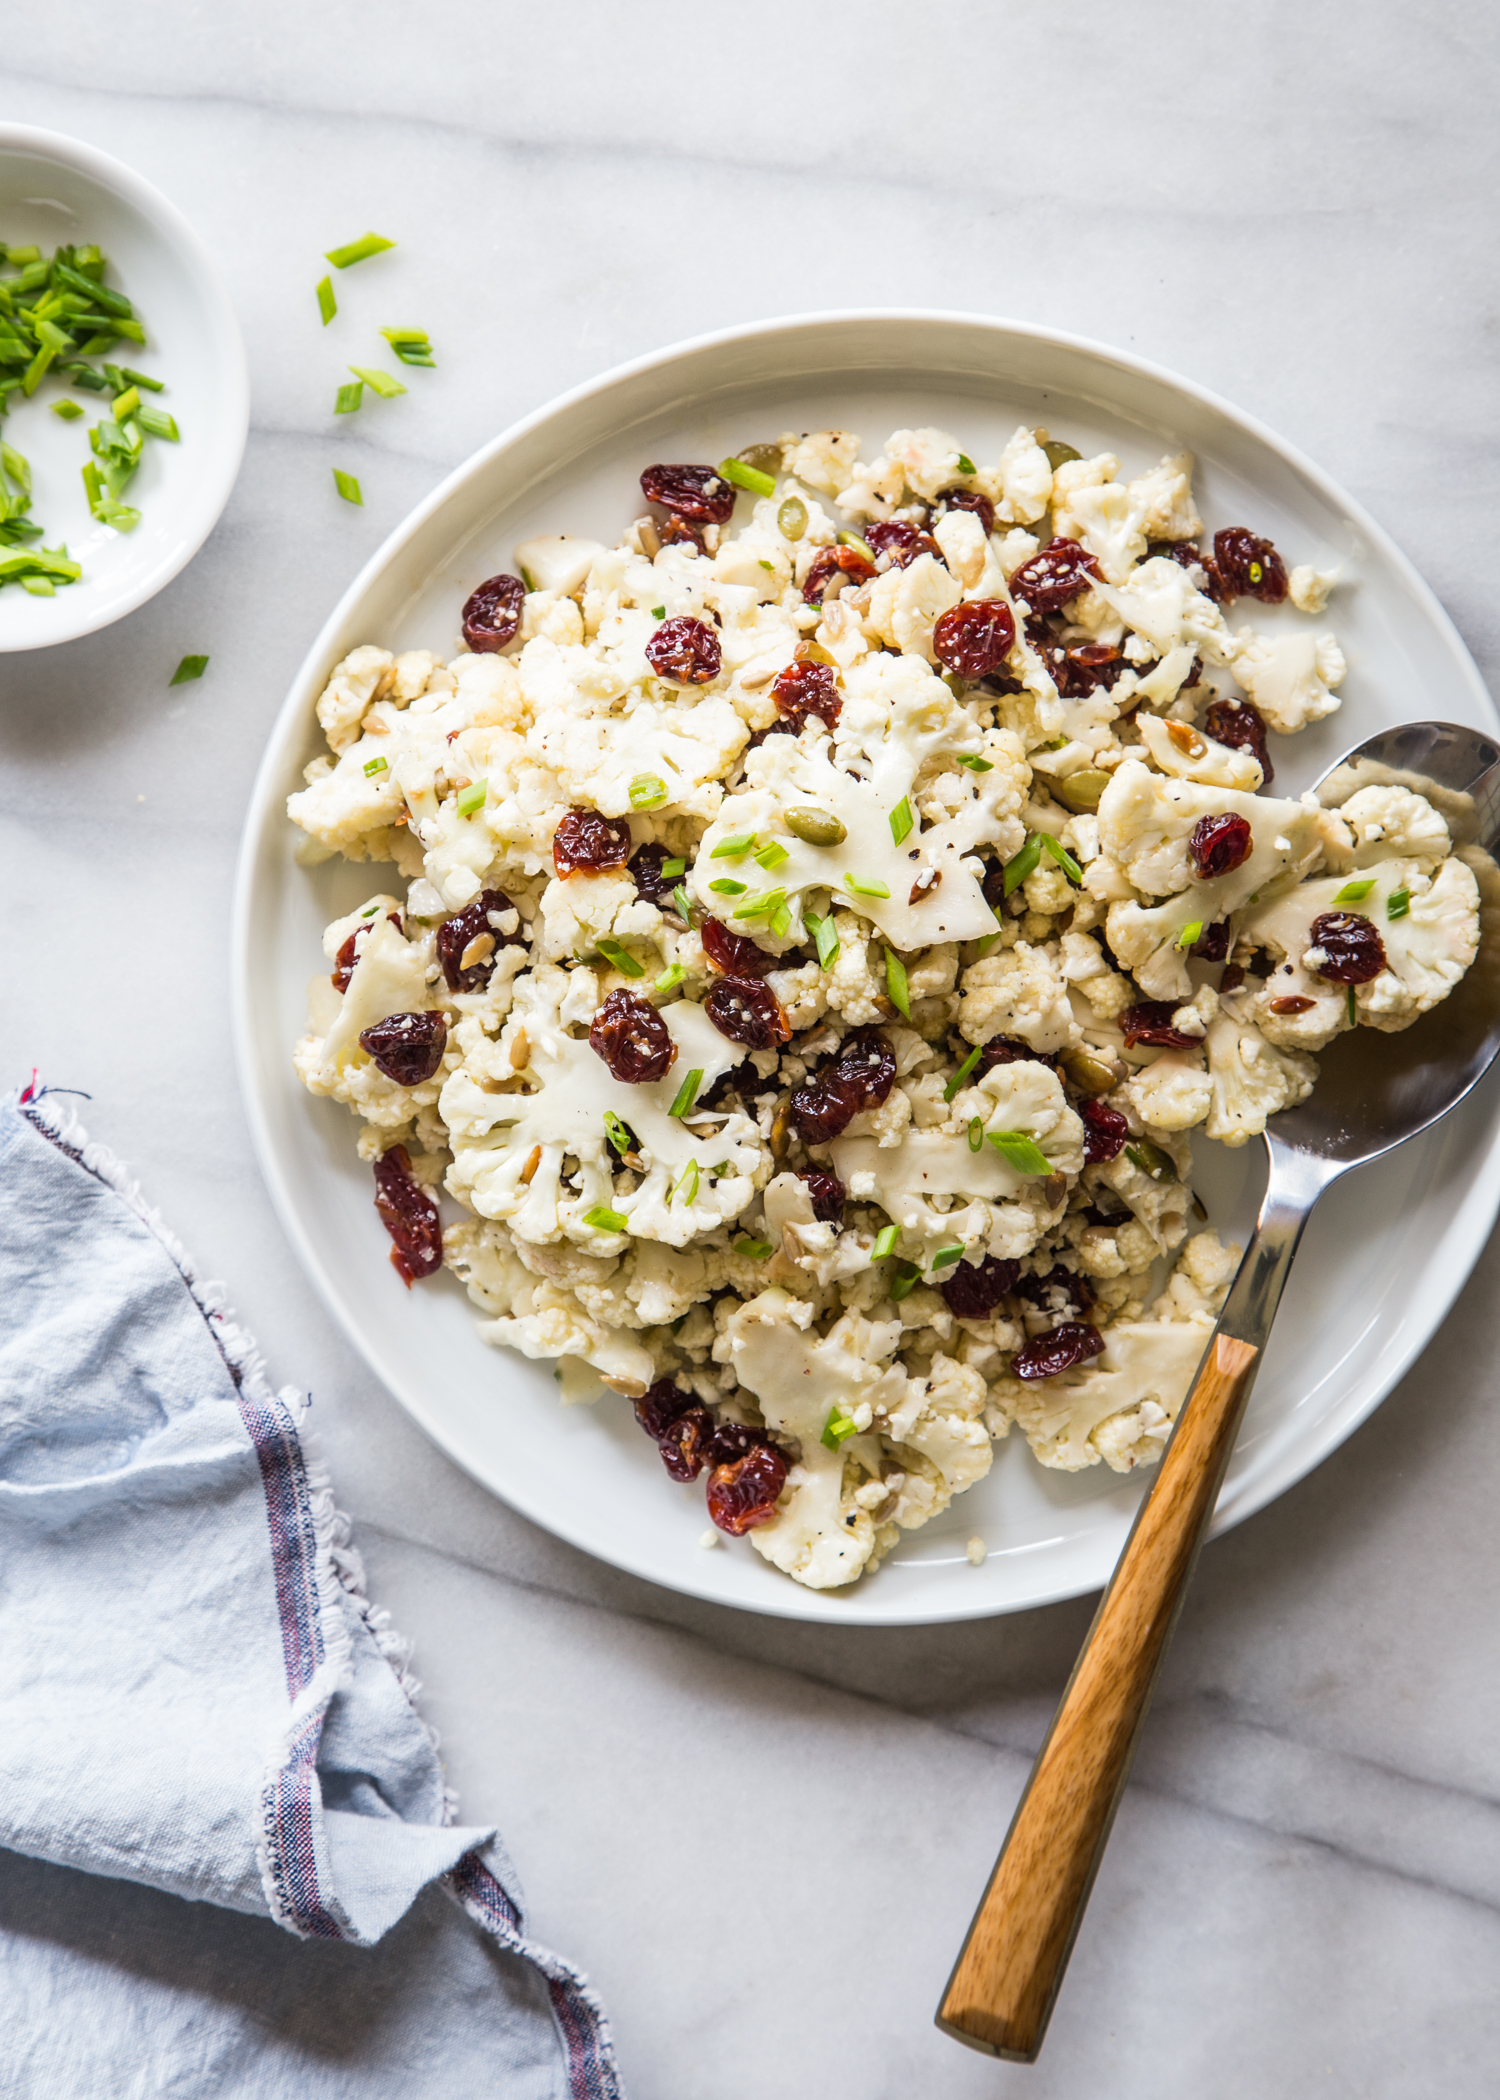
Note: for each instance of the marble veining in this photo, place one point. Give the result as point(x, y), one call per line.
point(764, 1839)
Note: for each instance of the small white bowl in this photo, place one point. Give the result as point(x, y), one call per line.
point(53, 190)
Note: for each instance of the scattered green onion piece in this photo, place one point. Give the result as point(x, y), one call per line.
point(152, 386)
point(773, 855)
point(838, 1426)
point(885, 1242)
point(68, 410)
point(1398, 904)
point(976, 1133)
point(902, 1285)
point(1355, 892)
point(471, 798)
point(127, 403)
point(619, 1137)
point(647, 791)
point(687, 1093)
point(733, 848)
point(157, 423)
point(725, 887)
point(328, 306)
point(683, 903)
point(1020, 865)
point(357, 251)
point(780, 921)
point(622, 958)
point(21, 256)
point(1062, 856)
point(1190, 934)
point(410, 345)
point(372, 765)
point(966, 465)
point(963, 1072)
point(901, 820)
point(1353, 1015)
point(946, 1257)
point(687, 1188)
point(658, 612)
point(193, 667)
point(347, 486)
point(378, 382)
point(37, 586)
point(896, 985)
point(1021, 1150)
point(761, 906)
point(982, 947)
point(348, 398)
point(527, 578)
point(769, 565)
point(857, 888)
point(599, 1218)
point(670, 978)
point(977, 765)
point(745, 477)
point(826, 936)
point(756, 1250)
point(671, 869)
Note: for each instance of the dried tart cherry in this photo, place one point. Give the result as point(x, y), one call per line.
point(409, 1047)
point(860, 1077)
point(409, 1215)
point(492, 614)
point(1048, 1355)
point(1248, 567)
point(1218, 845)
point(974, 1289)
point(804, 689)
point(589, 843)
point(685, 652)
point(1352, 950)
point(632, 1038)
point(1241, 725)
point(746, 1011)
point(1051, 578)
point(745, 1492)
point(699, 493)
point(457, 935)
point(974, 638)
point(734, 953)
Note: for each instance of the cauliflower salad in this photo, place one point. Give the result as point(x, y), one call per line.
point(822, 918)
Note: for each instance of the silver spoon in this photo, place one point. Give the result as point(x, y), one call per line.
point(1374, 1092)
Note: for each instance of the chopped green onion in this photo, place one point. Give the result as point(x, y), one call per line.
point(670, 978)
point(328, 306)
point(725, 887)
point(770, 565)
point(733, 848)
point(347, 486)
point(946, 1257)
point(21, 256)
point(599, 1218)
point(471, 798)
point(348, 398)
point(1020, 865)
point(885, 1242)
point(1021, 1150)
point(1398, 904)
point(687, 1187)
point(527, 578)
point(410, 345)
point(977, 765)
point(824, 934)
point(1190, 934)
point(658, 612)
point(68, 410)
point(838, 1426)
point(647, 791)
point(865, 889)
point(97, 294)
point(372, 765)
point(901, 820)
point(622, 958)
point(687, 1093)
point(152, 386)
point(378, 382)
point(745, 477)
point(1355, 892)
point(983, 945)
point(976, 1133)
point(157, 423)
point(761, 906)
point(895, 983)
point(671, 869)
point(193, 667)
point(357, 251)
point(1353, 1016)
point(781, 920)
point(1062, 856)
point(37, 586)
point(127, 403)
point(773, 855)
point(683, 903)
point(966, 465)
point(756, 1250)
point(903, 1284)
point(617, 1133)
point(963, 1072)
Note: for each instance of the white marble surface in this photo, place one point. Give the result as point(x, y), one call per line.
point(764, 1840)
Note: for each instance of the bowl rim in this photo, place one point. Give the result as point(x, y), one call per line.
point(1479, 1207)
point(234, 372)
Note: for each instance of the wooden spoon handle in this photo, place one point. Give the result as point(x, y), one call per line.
point(1000, 1994)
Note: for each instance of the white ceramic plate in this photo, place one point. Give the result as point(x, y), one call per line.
point(54, 190)
point(1386, 1251)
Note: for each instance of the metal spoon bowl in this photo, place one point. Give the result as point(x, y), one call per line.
point(1374, 1091)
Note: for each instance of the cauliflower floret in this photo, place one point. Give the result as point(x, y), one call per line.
point(1090, 505)
point(824, 459)
point(962, 537)
point(1290, 677)
point(1163, 497)
point(1427, 951)
point(363, 677)
point(1172, 1093)
point(928, 458)
point(1145, 1365)
point(1387, 821)
point(1192, 754)
point(1309, 589)
point(905, 605)
point(1019, 484)
point(580, 908)
point(1019, 992)
point(1251, 1079)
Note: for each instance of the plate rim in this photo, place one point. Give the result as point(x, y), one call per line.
point(1473, 1221)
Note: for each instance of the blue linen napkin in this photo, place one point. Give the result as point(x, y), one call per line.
point(197, 1695)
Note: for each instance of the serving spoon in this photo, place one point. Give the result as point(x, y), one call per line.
point(1374, 1092)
